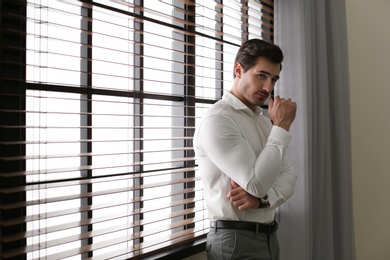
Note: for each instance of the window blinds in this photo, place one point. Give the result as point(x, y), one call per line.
point(99, 101)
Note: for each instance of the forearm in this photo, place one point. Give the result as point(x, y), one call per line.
point(269, 164)
point(280, 191)
point(283, 188)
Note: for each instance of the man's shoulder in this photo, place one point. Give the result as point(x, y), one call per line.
point(220, 113)
point(220, 107)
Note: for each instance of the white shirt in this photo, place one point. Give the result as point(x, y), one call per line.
point(233, 142)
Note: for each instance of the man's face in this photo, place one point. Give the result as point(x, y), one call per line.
point(255, 85)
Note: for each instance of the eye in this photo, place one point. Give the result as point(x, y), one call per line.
point(274, 80)
point(262, 76)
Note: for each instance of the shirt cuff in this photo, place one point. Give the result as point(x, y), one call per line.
point(280, 135)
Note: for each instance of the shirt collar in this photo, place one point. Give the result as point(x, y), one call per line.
point(238, 104)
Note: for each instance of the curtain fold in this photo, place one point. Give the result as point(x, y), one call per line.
point(317, 222)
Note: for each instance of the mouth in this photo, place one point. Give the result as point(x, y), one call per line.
point(262, 95)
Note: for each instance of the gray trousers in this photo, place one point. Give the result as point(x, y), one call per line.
point(226, 244)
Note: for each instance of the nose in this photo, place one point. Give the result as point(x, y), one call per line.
point(269, 85)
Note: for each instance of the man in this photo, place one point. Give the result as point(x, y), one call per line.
point(242, 158)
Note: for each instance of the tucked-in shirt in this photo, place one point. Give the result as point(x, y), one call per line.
point(233, 142)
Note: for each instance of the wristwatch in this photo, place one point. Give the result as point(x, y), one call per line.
point(264, 202)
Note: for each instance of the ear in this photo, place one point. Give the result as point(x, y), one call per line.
point(237, 70)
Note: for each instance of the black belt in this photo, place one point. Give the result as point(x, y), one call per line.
point(243, 225)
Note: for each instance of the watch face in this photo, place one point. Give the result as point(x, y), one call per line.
point(264, 202)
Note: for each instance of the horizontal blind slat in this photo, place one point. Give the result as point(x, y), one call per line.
point(88, 167)
point(54, 156)
point(100, 179)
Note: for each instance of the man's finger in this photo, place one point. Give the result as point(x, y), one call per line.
point(234, 184)
point(270, 103)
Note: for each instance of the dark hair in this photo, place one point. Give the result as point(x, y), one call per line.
point(252, 49)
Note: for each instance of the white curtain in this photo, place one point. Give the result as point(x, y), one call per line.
point(317, 222)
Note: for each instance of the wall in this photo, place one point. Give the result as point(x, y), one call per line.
point(368, 23)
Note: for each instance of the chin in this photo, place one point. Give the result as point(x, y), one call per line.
point(259, 103)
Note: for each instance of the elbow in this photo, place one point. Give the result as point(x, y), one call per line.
point(288, 190)
point(257, 188)
point(260, 183)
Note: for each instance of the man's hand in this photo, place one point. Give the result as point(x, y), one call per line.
point(242, 199)
point(282, 112)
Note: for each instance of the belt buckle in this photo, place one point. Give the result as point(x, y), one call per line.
point(273, 227)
